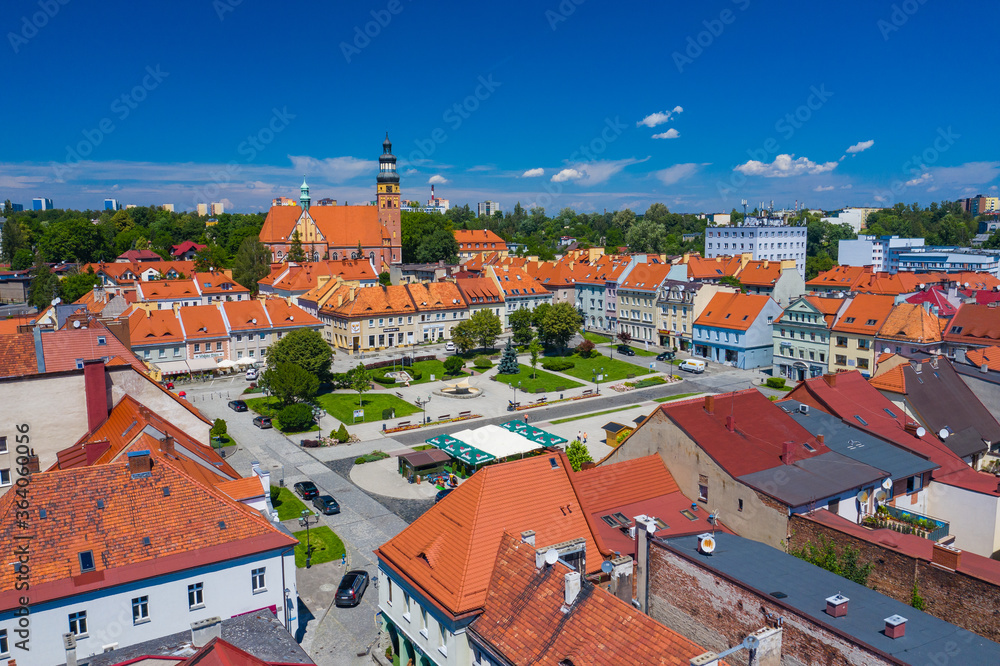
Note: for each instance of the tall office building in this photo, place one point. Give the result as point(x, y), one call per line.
point(41, 203)
point(14, 208)
point(218, 209)
point(488, 208)
point(167, 207)
point(112, 204)
point(203, 209)
point(768, 238)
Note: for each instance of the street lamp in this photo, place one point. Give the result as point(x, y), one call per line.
point(317, 416)
point(423, 405)
point(305, 521)
point(515, 392)
point(597, 380)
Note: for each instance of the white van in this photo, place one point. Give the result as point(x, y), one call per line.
point(693, 365)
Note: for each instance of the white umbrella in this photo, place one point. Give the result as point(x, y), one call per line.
point(246, 361)
point(226, 364)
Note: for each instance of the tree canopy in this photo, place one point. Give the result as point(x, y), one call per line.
point(305, 348)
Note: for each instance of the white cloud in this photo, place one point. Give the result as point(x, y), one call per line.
point(567, 174)
point(410, 172)
point(669, 134)
point(437, 179)
point(659, 117)
point(333, 169)
point(846, 187)
point(533, 173)
point(676, 173)
point(925, 177)
point(861, 146)
point(784, 166)
point(970, 173)
point(822, 188)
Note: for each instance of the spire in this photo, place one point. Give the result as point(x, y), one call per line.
point(304, 197)
point(387, 145)
point(387, 163)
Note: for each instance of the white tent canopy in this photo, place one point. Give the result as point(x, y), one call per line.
point(246, 360)
point(497, 441)
point(226, 363)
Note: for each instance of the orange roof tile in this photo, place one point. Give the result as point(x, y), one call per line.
point(760, 273)
point(700, 268)
point(733, 311)
point(305, 276)
point(468, 238)
point(218, 282)
point(606, 269)
point(449, 551)
point(430, 296)
point(284, 315)
point(841, 277)
point(911, 322)
point(865, 314)
point(975, 324)
point(202, 321)
point(242, 489)
point(892, 380)
point(516, 282)
point(483, 289)
point(154, 327)
point(341, 226)
point(369, 301)
point(988, 356)
point(246, 315)
point(646, 277)
point(18, 353)
point(161, 290)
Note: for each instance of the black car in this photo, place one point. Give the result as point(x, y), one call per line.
point(352, 587)
point(306, 489)
point(442, 494)
point(262, 422)
point(625, 350)
point(665, 356)
point(326, 504)
point(237, 405)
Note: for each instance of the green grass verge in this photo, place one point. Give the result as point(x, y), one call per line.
point(422, 447)
point(326, 546)
point(614, 369)
point(541, 383)
point(587, 416)
point(286, 503)
point(786, 389)
point(677, 397)
point(341, 406)
point(596, 338)
point(639, 351)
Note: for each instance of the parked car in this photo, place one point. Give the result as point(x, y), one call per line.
point(306, 489)
point(693, 365)
point(625, 350)
point(665, 356)
point(262, 422)
point(326, 505)
point(442, 494)
point(251, 374)
point(238, 405)
point(449, 346)
point(352, 587)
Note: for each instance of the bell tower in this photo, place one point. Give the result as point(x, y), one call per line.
point(387, 194)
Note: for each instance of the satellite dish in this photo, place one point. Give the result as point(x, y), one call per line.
point(751, 643)
point(966, 285)
point(880, 495)
point(706, 543)
point(607, 567)
point(921, 431)
point(76, 324)
point(56, 301)
point(885, 350)
point(551, 556)
point(863, 497)
point(887, 483)
point(943, 433)
point(253, 321)
point(922, 286)
point(650, 527)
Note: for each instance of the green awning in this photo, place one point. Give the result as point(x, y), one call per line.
point(537, 435)
point(459, 450)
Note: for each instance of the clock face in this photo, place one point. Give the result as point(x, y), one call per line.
point(355, 327)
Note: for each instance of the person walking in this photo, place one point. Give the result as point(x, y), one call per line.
point(585, 438)
point(579, 436)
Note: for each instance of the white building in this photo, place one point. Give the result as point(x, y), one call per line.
point(856, 217)
point(488, 208)
point(217, 208)
point(766, 238)
point(202, 209)
point(880, 252)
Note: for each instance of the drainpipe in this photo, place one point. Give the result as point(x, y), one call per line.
point(284, 595)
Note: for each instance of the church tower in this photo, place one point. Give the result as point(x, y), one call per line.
point(388, 204)
point(304, 196)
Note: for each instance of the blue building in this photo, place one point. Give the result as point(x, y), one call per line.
point(736, 329)
point(41, 203)
point(112, 204)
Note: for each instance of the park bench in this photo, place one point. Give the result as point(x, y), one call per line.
point(444, 417)
point(399, 395)
point(463, 415)
point(588, 392)
point(403, 424)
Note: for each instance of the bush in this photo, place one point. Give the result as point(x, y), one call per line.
point(371, 457)
point(482, 363)
point(297, 417)
point(383, 380)
point(585, 349)
point(454, 364)
point(775, 382)
point(557, 364)
point(340, 434)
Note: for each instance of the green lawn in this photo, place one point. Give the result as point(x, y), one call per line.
point(614, 369)
point(270, 407)
point(587, 416)
point(433, 367)
point(677, 397)
point(286, 503)
point(786, 389)
point(596, 338)
point(326, 546)
point(542, 383)
point(341, 406)
point(639, 351)
point(422, 447)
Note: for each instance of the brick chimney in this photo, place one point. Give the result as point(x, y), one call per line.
point(821, 439)
point(788, 452)
point(96, 392)
point(946, 556)
point(895, 626)
point(836, 605)
point(167, 445)
point(831, 379)
point(572, 588)
point(710, 404)
point(140, 464)
point(731, 423)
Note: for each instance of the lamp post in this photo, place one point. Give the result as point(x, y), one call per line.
point(597, 380)
point(423, 405)
point(304, 521)
point(515, 392)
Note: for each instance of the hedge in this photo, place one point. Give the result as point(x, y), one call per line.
point(482, 362)
point(775, 382)
point(557, 364)
point(297, 417)
point(382, 364)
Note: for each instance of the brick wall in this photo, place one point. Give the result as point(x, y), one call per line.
point(953, 596)
point(718, 614)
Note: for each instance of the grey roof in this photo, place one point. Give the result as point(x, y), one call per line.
point(614, 427)
point(767, 570)
point(858, 444)
point(814, 479)
point(259, 633)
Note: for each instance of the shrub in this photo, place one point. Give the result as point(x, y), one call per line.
point(585, 349)
point(371, 457)
point(383, 380)
point(340, 434)
point(775, 382)
point(482, 362)
point(454, 364)
point(557, 364)
point(297, 417)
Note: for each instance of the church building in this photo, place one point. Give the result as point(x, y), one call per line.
point(337, 232)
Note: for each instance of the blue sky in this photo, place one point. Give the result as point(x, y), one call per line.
point(575, 103)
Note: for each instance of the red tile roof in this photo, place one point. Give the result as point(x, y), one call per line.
point(242, 489)
point(18, 353)
point(138, 256)
point(284, 315)
point(202, 321)
point(760, 273)
point(154, 327)
point(369, 301)
point(911, 322)
point(185, 247)
point(246, 315)
point(469, 238)
point(936, 297)
point(516, 283)
point(700, 268)
point(646, 277)
point(733, 311)
point(61, 349)
point(303, 277)
point(975, 324)
point(162, 290)
point(842, 277)
point(988, 356)
point(341, 226)
point(219, 282)
point(483, 289)
point(606, 269)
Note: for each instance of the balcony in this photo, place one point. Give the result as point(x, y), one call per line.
point(908, 522)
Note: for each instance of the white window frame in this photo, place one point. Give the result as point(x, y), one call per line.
point(140, 610)
point(78, 624)
point(258, 582)
point(196, 596)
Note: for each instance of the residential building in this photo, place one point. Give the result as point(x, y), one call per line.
point(342, 232)
point(852, 335)
point(291, 280)
point(680, 303)
point(283, 201)
point(112, 204)
point(139, 540)
point(216, 208)
point(434, 272)
point(801, 337)
point(856, 217)
point(778, 279)
point(597, 292)
point(186, 251)
point(736, 329)
point(913, 327)
point(440, 306)
point(764, 238)
point(472, 242)
point(205, 334)
point(16, 207)
point(973, 326)
point(693, 267)
point(167, 294)
point(980, 205)
point(123, 276)
point(41, 203)
point(202, 209)
point(638, 293)
point(488, 208)
point(950, 260)
point(482, 294)
point(719, 219)
point(218, 286)
point(559, 277)
point(520, 290)
point(880, 252)
point(167, 207)
point(137, 257)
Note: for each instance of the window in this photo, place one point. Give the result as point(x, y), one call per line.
point(196, 597)
point(863, 363)
point(87, 560)
point(406, 606)
point(177, 352)
point(423, 622)
point(841, 359)
point(841, 340)
point(849, 320)
point(218, 346)
point(78, 624)
point(443, 640)
point(3, 444)
point(914, 484)
point(197, 347)
point(140, 610)
point(163, 353)
point(257, 581)
point(870, 322)
point(833, 506)
point(864, 344)
point(702, 488)
point(4, 647)
point(861, 420)
point(389, 599)
point(101, 340)
point(740, 507)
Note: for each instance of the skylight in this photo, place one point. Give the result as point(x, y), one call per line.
point(861, 420)
point(889, 412)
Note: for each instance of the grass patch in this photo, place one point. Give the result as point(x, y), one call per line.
point(596, 338)
point(326, 546)
point(371, 457)
point(639, 351)
point(786, 389)
point(677, 397)
point(270, 407)
point(286, 503)
point(542, 383)
point(614, 369)
point(649, 381)
point(341, 406)
point(428, 368)
point(422, 447)
point(587, 416)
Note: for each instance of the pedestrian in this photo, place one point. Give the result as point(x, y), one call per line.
point(585, 438)
point(579, 436)
point(525, 419)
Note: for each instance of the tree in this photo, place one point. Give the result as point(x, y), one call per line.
point(44, 284)
point(439, 245)
point(252, 263)
point(534, 349)
point(520, 326)
point(539, 313)
point(219, 428)
point(623, 219)
point(646, 236)
point(577, 454)
point(289, 382)
point(23, 259)
point(122, 221)
point(361, 381)
point(486, 328)
point(844, 564)
point(295, 252)
point(624, 337)
point(384, 279)
point(454, 364)
point(306, 349)
point(585, 349)
point(12, 239)
point(297, 417)
point(463, 336)
point(916, 600)
point(73, 286)
point(560, 324)
point(210, 258)
point(508, 360)
point(732, 281)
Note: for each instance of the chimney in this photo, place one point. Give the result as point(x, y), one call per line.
point(836, 606)
point(39, 351)
point(644, 528)
point(710, 404)
point(149, 312)
point(731, 423)
point(621, 577)
point(788, 452)
point(588, 465)
point(821, 439)
point(205, 630)
point(140, 464)
point(69, 644)
point(167, 445)
point(528, 537)
point(572, 589)
point(96, 392)
point(911, 427)
point(895, 626)
point(831, 379)
point(948, 557)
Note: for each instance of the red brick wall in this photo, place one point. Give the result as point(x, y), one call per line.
point(953, 596)
point(718, 614)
